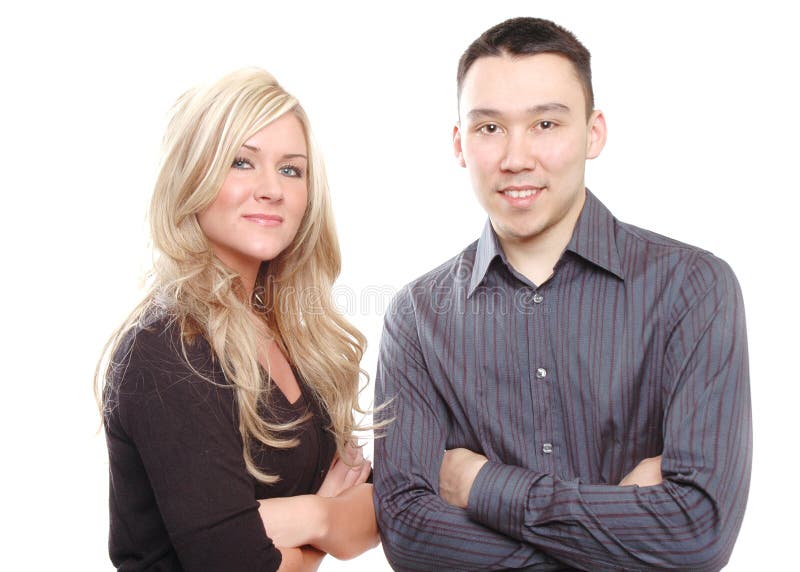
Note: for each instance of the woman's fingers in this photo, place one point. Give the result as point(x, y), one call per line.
point(346, 472)
point(365, 471)
point(353, 453)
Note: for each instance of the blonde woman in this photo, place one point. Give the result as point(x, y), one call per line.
point(229, 395)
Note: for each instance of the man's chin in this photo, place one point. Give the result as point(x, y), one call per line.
point(518, 232)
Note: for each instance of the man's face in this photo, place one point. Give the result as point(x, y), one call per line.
point(524, 137)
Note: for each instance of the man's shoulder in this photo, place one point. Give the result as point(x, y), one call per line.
point(651, 240)
point(648, 244)
point(643, 251)
point(443, 281)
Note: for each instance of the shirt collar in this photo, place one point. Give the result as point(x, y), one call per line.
point(593, 239)
point(488, 249)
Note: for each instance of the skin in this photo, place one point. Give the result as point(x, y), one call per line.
point(523, 128)
point(646, 474)
point(339, 519)
point(254, 217)
point(268, 177)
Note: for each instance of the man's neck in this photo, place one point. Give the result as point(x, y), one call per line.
point(534, 257)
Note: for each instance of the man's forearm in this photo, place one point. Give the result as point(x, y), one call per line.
point(671, 525)
point(422, 532)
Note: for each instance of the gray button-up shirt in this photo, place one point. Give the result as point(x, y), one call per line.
point(634, 347)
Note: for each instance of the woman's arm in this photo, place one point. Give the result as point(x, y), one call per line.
point(339, 519)
point(343, 526)
point(303, 559)
point(351, 527)
point(173, 438)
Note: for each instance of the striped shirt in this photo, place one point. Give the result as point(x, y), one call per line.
point(634, 347)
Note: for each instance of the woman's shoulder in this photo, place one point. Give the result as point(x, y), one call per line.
point(154, 341)
point(162, 339)
point(155, 358)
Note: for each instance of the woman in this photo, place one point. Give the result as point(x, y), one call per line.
point(229, 395)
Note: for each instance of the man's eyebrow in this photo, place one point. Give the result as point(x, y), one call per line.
point(548, 108)
point(482, 112)
point(486, 112)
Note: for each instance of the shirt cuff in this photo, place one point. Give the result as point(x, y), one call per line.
point(499, 497)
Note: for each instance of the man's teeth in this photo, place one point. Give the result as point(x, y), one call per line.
point(520, 194)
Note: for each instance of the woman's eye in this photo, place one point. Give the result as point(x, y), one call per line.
point(240, 163)
point(489, 128)
point(290, 171)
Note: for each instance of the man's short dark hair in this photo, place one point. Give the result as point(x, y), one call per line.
point(528, 37)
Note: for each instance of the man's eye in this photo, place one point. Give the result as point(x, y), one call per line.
point(546, 125)
point(240, 163)
point(489, 128)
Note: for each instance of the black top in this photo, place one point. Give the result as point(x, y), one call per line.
point(180, 495)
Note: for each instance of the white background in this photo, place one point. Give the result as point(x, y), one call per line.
point(702, 106)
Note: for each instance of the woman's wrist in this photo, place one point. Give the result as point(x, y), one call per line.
point(319, 511)
point(295, 521)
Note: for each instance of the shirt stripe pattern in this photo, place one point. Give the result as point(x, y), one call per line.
point(635, 347)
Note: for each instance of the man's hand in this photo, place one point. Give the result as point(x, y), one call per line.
point(458, 472)
point(646, 474)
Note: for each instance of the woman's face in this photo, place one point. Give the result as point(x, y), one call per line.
point(258, 210)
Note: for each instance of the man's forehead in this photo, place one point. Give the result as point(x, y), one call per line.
point(522, 82)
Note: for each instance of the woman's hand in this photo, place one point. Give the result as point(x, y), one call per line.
point(345, 474)
point(343, 526)
point(305, 519)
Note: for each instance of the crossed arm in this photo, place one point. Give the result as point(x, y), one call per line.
point(177, 458)
point(460, 467)
point(503, 516)
point(338, 520)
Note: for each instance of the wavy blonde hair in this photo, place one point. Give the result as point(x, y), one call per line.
point(203, 297)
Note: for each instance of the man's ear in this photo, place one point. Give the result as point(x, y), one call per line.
point(459, 152)
point(596, 137)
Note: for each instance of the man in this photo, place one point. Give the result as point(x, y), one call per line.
point(569, 392)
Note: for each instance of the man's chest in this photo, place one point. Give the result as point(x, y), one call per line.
point(566, 380)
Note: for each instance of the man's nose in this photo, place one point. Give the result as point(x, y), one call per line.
point(519, 154)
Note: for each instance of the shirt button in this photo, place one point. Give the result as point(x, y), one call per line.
point(547, 448)
point(537, 298)
point(541, 373)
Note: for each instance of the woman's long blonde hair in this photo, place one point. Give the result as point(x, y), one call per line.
point(203, 297)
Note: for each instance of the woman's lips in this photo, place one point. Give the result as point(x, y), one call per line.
point(264, 219)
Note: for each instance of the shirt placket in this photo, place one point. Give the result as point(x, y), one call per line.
point(543, 374)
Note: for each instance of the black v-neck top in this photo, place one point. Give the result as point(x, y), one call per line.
point(180, 495)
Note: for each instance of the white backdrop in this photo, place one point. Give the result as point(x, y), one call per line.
point(701, 102)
